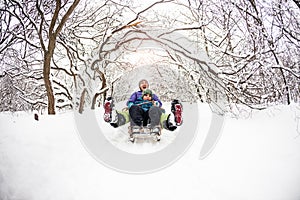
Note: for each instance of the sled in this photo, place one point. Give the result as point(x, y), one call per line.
point(136, 132)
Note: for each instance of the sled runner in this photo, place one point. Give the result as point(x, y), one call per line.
point(144, 132)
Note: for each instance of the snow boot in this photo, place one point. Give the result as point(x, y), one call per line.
point(108, 107)
point(176, 109)
point(118, 118)
point(133, 130)
point(136, 129)
point(155, 130)
point(167, 124)
point(114, 121)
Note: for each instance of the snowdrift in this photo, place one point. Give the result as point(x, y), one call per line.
point(256, 158)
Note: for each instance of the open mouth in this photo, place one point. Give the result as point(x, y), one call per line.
point(144, 87)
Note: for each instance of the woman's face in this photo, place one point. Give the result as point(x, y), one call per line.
point(144, 85)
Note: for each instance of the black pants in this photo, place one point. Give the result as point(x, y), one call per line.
point(139, 117)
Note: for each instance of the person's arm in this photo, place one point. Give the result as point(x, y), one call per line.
point(155, 98)
point(131, 100)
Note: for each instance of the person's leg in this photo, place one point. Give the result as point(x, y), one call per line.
point(154, 115)
point(136, 115)
point(165, 122)
point(120, 118)
point(108, 108)
point(145, 117)
point(176, 109)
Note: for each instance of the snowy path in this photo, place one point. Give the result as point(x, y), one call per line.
point(257, 158)
point(119, 137)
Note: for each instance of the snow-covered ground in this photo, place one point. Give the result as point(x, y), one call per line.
point(119, 137)
point(256, 158)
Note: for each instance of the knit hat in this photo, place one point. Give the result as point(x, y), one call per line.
point(147, 91)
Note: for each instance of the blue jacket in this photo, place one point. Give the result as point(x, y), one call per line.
point(136, 98)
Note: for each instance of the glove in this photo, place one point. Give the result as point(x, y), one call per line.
point(156, 103)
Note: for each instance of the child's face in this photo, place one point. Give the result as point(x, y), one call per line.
point(147, 97)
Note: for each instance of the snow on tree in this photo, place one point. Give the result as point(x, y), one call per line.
point(220, 52)
point(35, 27)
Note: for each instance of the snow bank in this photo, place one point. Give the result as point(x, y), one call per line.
point(256, 158)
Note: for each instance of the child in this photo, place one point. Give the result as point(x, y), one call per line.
point(141, 110)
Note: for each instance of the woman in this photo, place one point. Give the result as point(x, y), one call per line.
point(135, 116)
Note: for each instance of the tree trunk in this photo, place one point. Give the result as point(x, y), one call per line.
point(46, 73)
point(48, 85)
point(82, 101)
point(94, 100)
point(51, 46)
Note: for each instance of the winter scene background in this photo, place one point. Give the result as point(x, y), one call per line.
point(235, 60)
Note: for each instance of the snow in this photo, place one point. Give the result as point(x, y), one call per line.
point(119, 137)
point(255, 158)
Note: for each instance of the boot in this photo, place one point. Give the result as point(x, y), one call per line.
point(117, 119)
point(108, 107)
point(176, 109)
point(169, 125)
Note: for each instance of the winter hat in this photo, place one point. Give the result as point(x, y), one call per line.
point(147, 91)
point(140, 82)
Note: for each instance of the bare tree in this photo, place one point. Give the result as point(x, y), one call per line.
point(34, 27)
point(248, 42)
point(243, 52)
point(85, 34)
point(54, 29)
